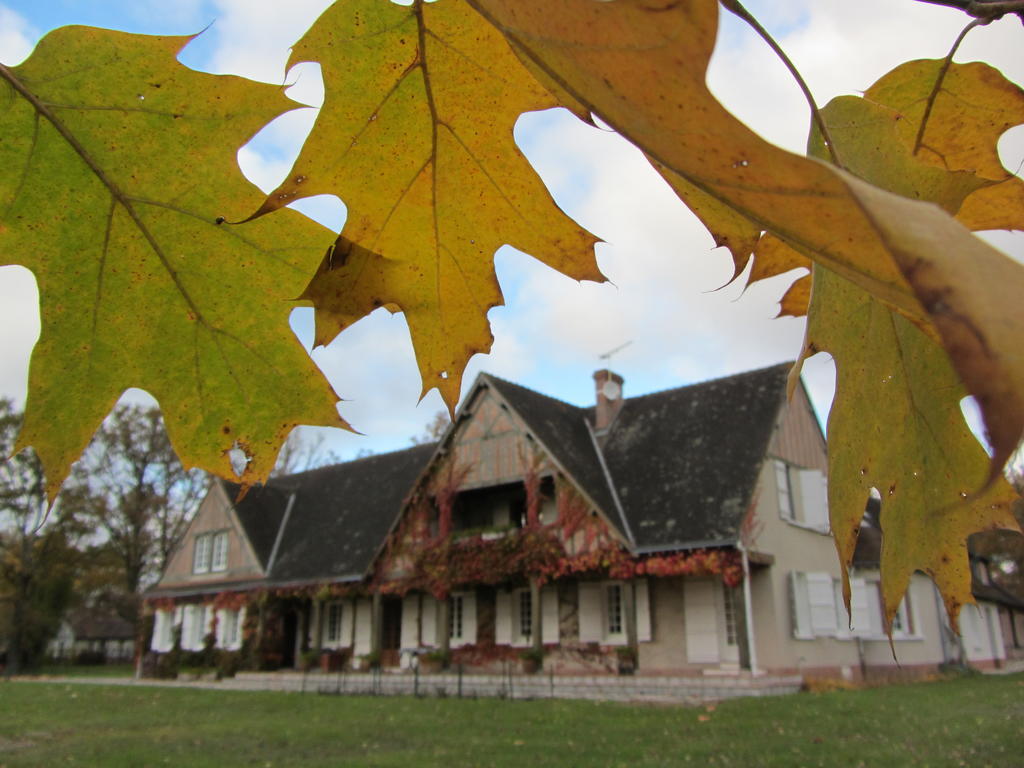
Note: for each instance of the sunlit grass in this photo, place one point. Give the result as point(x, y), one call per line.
point(976, 722)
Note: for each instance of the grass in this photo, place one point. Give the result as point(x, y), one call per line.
point(974, 721)
point(85, 670)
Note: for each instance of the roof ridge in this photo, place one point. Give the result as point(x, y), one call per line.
point(277, 481)
point(716, 380)
point(533, 391)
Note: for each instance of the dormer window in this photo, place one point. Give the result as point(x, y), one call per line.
point(211, 552)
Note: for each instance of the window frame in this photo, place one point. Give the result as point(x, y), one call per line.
point(614, 604)
point(202, 553)
point(218, 547)
point(456, 618)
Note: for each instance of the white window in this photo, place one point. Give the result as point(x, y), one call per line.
point(786, 510)
point(332, 625)
point(613, 610)
point(163, 631)
point(729, 613)
point(220, 551)
point(803, 496)
point(201, 554)
point(229, 629)
point(456, 605)
point(195, 625)
point(602, 611)
point(813, 605)
point(524, 614)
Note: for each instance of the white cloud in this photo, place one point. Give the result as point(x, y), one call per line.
point(663, 264)
point(17, 37)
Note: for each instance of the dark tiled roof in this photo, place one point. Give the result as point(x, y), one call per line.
point(562, 429)
point(996, 594)
point(340, 516)
point(260, 512)
point(95, 624)
point(686, 461)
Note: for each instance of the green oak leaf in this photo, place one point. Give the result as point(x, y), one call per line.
point(116, 164)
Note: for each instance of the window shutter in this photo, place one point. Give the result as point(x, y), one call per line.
point(821, 598)
point(348, 615)
point(187, 623)
point(160, 632)
point(590, 613)
point(800, 611)
point(364, 624)
point(549, 615)
point(814, 498)
point(643, 611)
point(701, 622)
point(428, 629)
point(502, 618)
point(782, 487)
point(222, 625)
point(410, 623)
point(860, 607)
point(469, 618)
point(235, 641)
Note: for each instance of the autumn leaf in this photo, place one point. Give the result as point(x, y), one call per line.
point(115, 163)
point(896, 423)
point(896, 426)
point(640, 66)
point(415, 136)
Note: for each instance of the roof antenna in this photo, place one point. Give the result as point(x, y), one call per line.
point(608, 355)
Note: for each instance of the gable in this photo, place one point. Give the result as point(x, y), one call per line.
point(491, 443)
point(214, 517)
point(797, 438)
point(481, 483)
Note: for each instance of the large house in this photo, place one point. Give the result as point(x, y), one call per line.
point(683, 532)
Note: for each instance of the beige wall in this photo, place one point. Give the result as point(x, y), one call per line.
point(797, 440)
point(214, 514)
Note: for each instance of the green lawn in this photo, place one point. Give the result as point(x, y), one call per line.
point(85, 670)
point(975, 722)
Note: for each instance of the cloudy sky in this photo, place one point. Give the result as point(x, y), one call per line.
point(663, 298)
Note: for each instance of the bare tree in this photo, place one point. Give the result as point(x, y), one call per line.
point(303, 451)
point(38, 554)
point(433, 429)
point(136, 492)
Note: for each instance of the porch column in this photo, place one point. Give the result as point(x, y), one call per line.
point(444, 625)
point(748, 613)
point(377, 619)
point(629, 608)
point(318, 625)
point(536, 614)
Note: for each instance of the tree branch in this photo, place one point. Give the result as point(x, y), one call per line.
point(736, 7)
point(990, 10)
point(938, 80)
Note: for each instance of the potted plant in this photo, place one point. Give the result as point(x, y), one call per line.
point(308, 660)
point(331, 661)
point(531, 660)
point(370, 660)
point(627, 659)
point(433, 662)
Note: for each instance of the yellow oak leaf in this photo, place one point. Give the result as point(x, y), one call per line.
point(896, 423)
point(640, 66)
point(896, 426)
point(415, 136)
point(115, 163)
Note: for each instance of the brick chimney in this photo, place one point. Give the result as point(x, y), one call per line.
point(608, 387)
